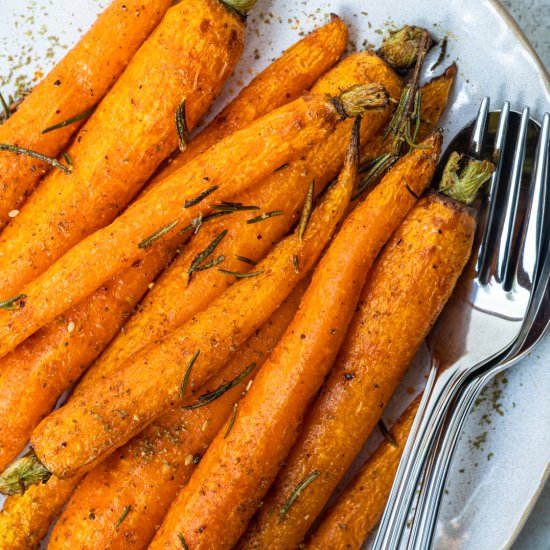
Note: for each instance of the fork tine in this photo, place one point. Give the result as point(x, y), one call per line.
point(478, 133)
point(510, 210)
point(482, 266)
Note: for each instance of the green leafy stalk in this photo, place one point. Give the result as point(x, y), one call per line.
point(265, 216)
point(232, 421)
point(239, 275)
point(181, 126)
point(125, 512)
point(70, 120)
point(360, 98)
point(306, 211)
point(388, 436)
point(24, 472)
point(12, 304)
point(401, 48)
point(463, 184)
point(199, 198)
point(201, 256)
point(187, 373)
point(29, 153)
point(158, 234)
point(207, 398)
point(297, 492)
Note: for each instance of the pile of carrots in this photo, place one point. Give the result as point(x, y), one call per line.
point(231, 313)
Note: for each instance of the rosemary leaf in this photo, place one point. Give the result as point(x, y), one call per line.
point(411, 191)
point(125, 512)
point(181, 126)
point(199, 198)
point(245, 260)
point(187, 373)
point(146, 243)
point(297, 492)
point(182, 541)
point(211, 263)
point(233, 207)
point(5, 107)
point(207, 398)
point(282, 167)
point(68, 160)
point(388, 436)
point(295, 263)
point(21, 151)
point(10, 304)
point(201, 256)
point(239, 275)
point(232, 421)
point(70, 120)
point(306, 212)
point(265, 216)
point(196, 223)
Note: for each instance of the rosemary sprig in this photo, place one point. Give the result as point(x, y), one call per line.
point(265, 216)
point(182, 542)
point(181, 126)
point(232, 421)
point(207, 398)
point(442, 54)
point(211, 263)
point(196, 223)
point(125, 512)
point(68, 160)
point(22, 151)
point(225, 206)
point(388, 436)
point(297, 492)
point(10, 304)
point(199, 198)
point(159, 233)
point(306, 212)
point(296, 263)
point(239, 275)
point(70, 120)
point(187, 373)
point(245, 260)
point(201, 256)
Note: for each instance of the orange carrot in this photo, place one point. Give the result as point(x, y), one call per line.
point(234, 475)
point(407, 288)
point(189, 55)
point(145, 475)
point(349, 521)
point(257, 150)
point(74, 86)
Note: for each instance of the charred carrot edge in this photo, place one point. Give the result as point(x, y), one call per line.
point(407, 288)
point(284, 190)
point(146, 474)
point(190, 54)
point(257, 150)
point(349, 521)
point(73, 87)
point(32, 361)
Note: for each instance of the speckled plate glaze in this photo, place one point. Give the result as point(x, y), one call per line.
point(504, 453)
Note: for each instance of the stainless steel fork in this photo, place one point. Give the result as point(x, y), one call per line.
point(485, 315)
point(536, 324)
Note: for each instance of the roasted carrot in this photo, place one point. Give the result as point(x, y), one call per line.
point(284, 190)
point(73, 87)
point(406, 290)
point(349, 521)
point(146, 474)
point(53, 358)
point(189, 55)
point(257, 150)
point(234, 475)
point(160, 376)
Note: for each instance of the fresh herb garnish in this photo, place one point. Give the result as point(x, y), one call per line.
point(297, 492)
point(70, 120)
point(68, 160)
point(239, 275)
point(199, 198)
point(296, 263)
point(265, 216)
point(306, 212)
point(225, 206)
point(182, 541)
point(10, 304)
point(181, 126)
point(196, 223)
point(146, 243)
point(282, 167)
point(232, 421)
point(29, 153)
point(125, 512)
point(388, 436)
point(185, 379)
point(245, 260)
point(212, 263)
point(201, 256)
point(207, 398)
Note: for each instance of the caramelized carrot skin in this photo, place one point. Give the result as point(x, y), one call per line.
point(80, 434)
point(357, 511)
point(284, 190)
point(407, 288)
point(75, 84)
point(148, 471)
point(125, 139)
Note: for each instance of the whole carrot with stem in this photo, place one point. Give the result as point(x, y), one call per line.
point(160, 376)
point(188, 56)
point(409, 285)
point(171, 205)
point(235, 474)
point(51, 359)
point(145, 475)
point(349, 521)
point(70, 92)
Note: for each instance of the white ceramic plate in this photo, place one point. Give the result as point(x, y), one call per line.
point(505, 451)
